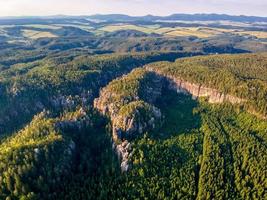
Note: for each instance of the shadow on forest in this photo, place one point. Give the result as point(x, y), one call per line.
point(167, 157)
point(179, 116)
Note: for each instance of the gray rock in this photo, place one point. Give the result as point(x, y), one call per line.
point(125, 166)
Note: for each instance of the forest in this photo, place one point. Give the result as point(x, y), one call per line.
point(61, 149)
point(133, 109)
point(243, 76)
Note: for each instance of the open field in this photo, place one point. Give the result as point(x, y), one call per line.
point(258, 34)
point(82, 26)
point(35, 31)
point(37, 34)
point(117, 27)
point(201, 32)
point(191, 32)
point(43, 26)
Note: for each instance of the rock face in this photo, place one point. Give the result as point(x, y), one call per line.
point(69, 102)
point(124, 152)
point(77, 122)
point(134, 119)
point(140, 118)
point(213, 95)
point(198, 90)
point(131, 111)
point(110, 100)
point(105, 104)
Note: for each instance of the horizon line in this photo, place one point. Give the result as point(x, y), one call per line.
point(85, 15)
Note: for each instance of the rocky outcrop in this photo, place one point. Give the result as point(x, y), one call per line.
point(77, 121)
point(70, 102)
point(124, 153)
point(111, 100)
point(213, 95)
point(197, 90)
point(131, 112)
point(107, 105)
point(134, 119)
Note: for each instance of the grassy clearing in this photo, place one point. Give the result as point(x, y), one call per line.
point(190, 32)
point(165, 30)
point(112, 28)
point(200, 32)
point(215, 30)
point(43, 26)
point(258, 34)
point(37, 34)
point(82, 27)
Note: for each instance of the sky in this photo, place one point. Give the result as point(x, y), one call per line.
point(131, 7)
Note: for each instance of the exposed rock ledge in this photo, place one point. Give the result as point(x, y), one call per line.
point(124, 153)
point(197, 90)
point(131, 115)
point(139, 118)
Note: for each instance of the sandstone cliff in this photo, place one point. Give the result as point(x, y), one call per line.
point(134, 119)
point(197, 90)
point(128, 102)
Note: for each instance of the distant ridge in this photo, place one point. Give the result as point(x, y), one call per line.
point(184, 17)
point(122, 17)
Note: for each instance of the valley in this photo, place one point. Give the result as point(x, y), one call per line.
point(121, 107)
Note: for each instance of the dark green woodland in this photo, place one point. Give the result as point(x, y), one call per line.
point(123, 110)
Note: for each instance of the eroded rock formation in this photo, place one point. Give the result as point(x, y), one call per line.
point(134, 119)
point(131, 113)
point(197, 90)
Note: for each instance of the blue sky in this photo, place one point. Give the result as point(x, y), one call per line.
point(131, 7)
